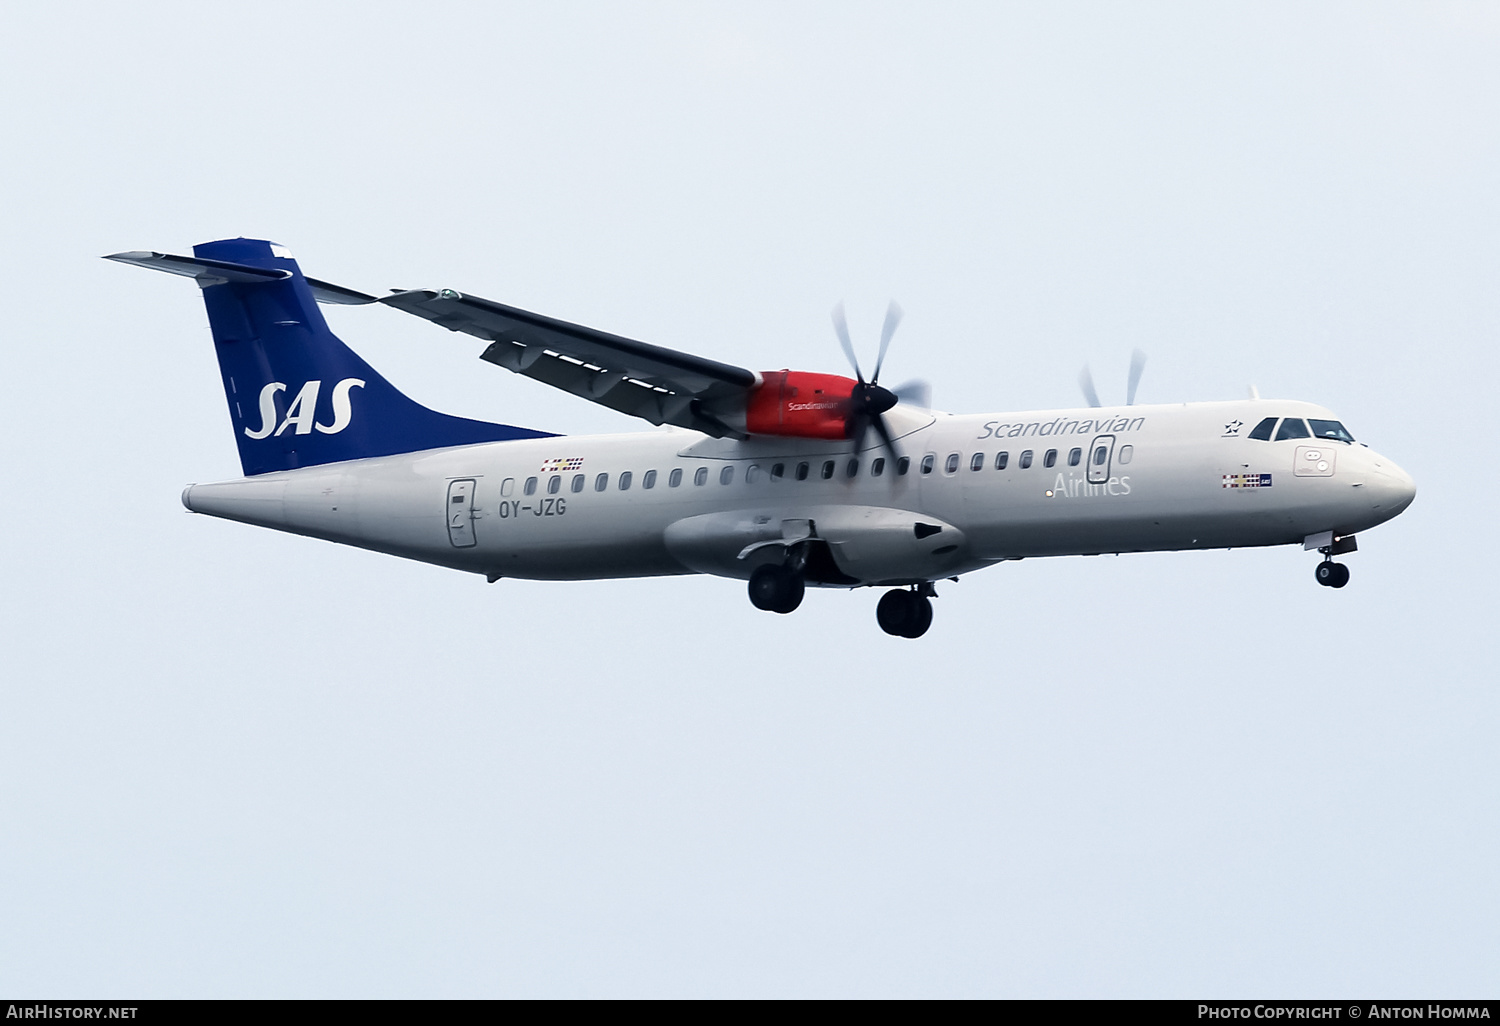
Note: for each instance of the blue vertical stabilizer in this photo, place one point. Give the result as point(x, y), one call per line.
point(299, 397)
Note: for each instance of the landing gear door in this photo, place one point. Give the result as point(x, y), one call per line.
point(460, 511)
point(1101, 455)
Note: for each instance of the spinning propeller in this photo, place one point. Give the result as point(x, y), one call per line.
point(869, 401)
point(1137, 365)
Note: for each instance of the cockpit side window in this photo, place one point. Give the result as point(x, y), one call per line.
point(1330, 429)
point(1262, 432)
point(1292, 427)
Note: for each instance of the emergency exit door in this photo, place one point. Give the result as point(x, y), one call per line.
point(1101, 454)
point(461, 513)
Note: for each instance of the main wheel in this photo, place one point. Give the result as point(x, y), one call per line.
point(791, 593)
point(921, 609)
point(904, 614)
point(775, 589)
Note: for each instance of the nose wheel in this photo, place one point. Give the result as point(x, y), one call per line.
point(1332, 575)
point(905, 614)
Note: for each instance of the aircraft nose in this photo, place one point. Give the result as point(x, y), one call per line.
point(1393, 486)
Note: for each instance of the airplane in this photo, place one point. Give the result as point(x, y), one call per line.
point(783, 479)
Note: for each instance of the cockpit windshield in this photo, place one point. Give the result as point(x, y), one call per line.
point(1329, 429)
point(1292, 427)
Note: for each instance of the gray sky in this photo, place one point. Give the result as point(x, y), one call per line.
point(237, 763)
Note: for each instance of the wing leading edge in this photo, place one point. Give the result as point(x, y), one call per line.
point(660, 385)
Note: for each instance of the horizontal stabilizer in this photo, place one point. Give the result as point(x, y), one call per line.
point(219, 272)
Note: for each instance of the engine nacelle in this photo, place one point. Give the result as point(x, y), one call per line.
point(800, 404)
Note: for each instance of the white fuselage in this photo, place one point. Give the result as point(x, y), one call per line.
point(1174, 477)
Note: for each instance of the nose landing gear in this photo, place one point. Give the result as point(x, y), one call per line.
point(906, 614)
point(1332, 575)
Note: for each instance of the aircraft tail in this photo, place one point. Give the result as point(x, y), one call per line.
point(299, 397)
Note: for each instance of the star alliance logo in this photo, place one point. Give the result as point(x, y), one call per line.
point(1232, 429)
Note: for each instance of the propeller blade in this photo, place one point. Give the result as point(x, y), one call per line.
point(1086, 382)
point(860, 427)
point(892, 318)
point(885, 438)
point(1137, 365)
point(915, 393)
point(841, 326)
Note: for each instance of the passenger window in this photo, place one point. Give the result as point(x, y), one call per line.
point(827, 469)
point(507, 487)
point(903, 465)
point(1026, 460)
point(554, 484)
point(700, 476)
point(1262, 431)
point(927, 463)
point(601, 482)
point(577, 482)
point(648, 479)
point(1050, 460)
point(778, 471)
point(976, 462)
point(852, 470)
point(1292, 427)
point(1330, 429)
point(752, 474)
point(1126, 454)
point(674, 478)
point(530, 488)
point(951, 466)
point(877, 466)
point(1100, 455)
point(802, 472)
point(1075, 457)
point(1002, 459)
point(624, 480)
point(726, 475)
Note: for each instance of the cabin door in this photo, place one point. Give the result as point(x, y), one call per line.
point(461, 513)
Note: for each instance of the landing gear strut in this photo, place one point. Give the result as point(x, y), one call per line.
point(906, 614)
point(1329, 573)
point(1332, 575)
point(777, 589)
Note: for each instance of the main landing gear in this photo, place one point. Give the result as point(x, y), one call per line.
point(906, 614)
point(776, 589)
point(903, 612)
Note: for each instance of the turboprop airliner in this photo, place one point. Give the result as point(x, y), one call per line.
point(784, 479)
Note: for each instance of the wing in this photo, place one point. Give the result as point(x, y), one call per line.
point(660, 385)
